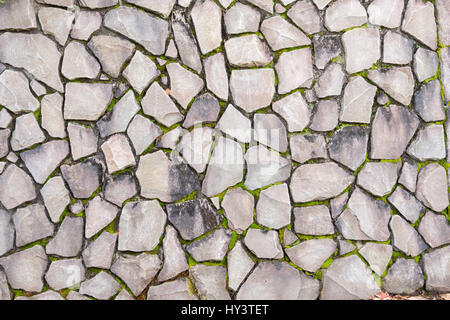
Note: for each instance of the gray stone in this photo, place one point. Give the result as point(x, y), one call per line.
point(445, 72)
point(140, 72)
point(345, 247)
point(212, 247)
point(142, 133)
point(175, 260)
point(118, 153)
point(338, 204)
point(377, 255)
point(159, 105)
point(170, 139)
point(207, 19)
point(238, 206)
point(265, 167)
point(216, 75)
point(247, 51)
point(386, 13)
point(162, 7)
point(331, 81)
point(406, 204)
point(348, 278)
point(295, 70)
point(344, 14)
point(69, 239)
point(141, 226)
point(31, 224)
point(86, 101)
point(99, 213)
point(102, 286)
point(305, 147)
point(357, 101)
point(26, 133)
point(47, 295)
point(98, 4)
point(362, 48)
point(26, 51)
point(205, 108)
point(149, 31)
point(435, 229)
point(419, 21)
point(379, 178)
point(266, 5)
point(38, 88)
point(280, 34)
point(83, 140)
point(241, 18)
point(264, 243)
point(313, 220)
point(161, 178)
point(252, 89)
point(436, 269)
point(406, 237)
point(443, 14)
point(403, 277)
point(15, 94)
point(294, 110)
point(4, 145)
point(392, 129)
point(99, 253)
point(56, 22)
point(320, 4)
point(179, 289)
point(5, 118)
point(349, 226)
point(18, 14)
point(83, 178)
point(270, 131)
point(184, 85)
point(306, 16)
point(74, 295)
point(210, 282)
point(16, 187)
point(195, 147)
point(193, 218)
point(65, 273)
point(239, 265)
point(289, 237)
point(348, 146)
point(52, 119)
point(326, 48)
point(6, 232)
point(273, 209)
point(432, 187)
point(225, 167)
point(86, 23)
point(408, 176)
point(25, 269)
point(319, 181)
point(326, 117)
point(5, 294)
point(428, 102)
point(397, 49)
point(426, 63)
point(311, 254)
point(137, 271)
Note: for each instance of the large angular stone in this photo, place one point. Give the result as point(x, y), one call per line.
point(241, 18)
point(377, 255)
point(313, 220)
point(31, 224)
point(86, 23)
point(207, 19)
point(210, 282)
point(99, 213)
point(397, 49)
point(435, 229)
point(184, 85)
point(212, 247)
point(306, 16)
point(120, 188)
point(17, 15)
point(52, 119)
point(99, 253)
point(69, 239)
point(142, 133)
point(205, 108)
point(195, 146)
point(44, 159)
point(357, 101)
point(386, 13)
point(305, 147)
point(281, 34)
point(406, 237)
point(344, 14)
point(348, 146)
point(239, 265)
point(26, 51)
point(326, 47)
point(252, 89)
point(429, 143)
point(270, 131)
point(83, 140)
point(238, 206)
point(419, 21)
point(159, 105)
point(398, 82)
point(273, 209)
point(319, 181)
point(137, 271)
point(83, 178)
point(175, 260)
point(65, 273)
point(216, 75)
point(102, 286)
point(331, 81)
point(428, 102)
point(141, 225)
point(247, 51)
point(392, 129)
point(362, 48)
point(193, 218)
point(6, 232)
point(140, 72)
point(295, 111)
point(348, 278)
point(15, 94)
point(264, 243)
point(432, 187)
point(311, 254)
point(25, 269)
point(426, 63)
point(379, 178)
point(118, 153)
point(404, 277)
point(179, 289)
point(27, 132)
point(443, 14)
point(326, 117)
point(56, 22)
point(436, 269)
point(16, 187)
point(85, 101)
point(295, 70)
point(149, 31)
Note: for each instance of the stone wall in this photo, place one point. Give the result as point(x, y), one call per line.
point(220, 149)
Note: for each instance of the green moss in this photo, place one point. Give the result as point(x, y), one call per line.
point(42, 242)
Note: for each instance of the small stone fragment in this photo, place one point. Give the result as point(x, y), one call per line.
point(159, 105)
point(5, 118)
point(241, 18)
point(15, 94)
point(281, 34)
point(306, 16)
point(69, 239)
point(195, 147)
point(326, 48)
point(247, 51)
point(52, 119)
point(266, 5)
point(348, 146)
point(19, 14)
point(207, 19)
point(27, 132)
point(210, 281)
point(56, 22)
point(305, 147)
point(326, 117)
point(270, 131)
point(205, 108)
point(239, 264)
point(436, 269)
point(5, 294)
point(337, 204)
point(99, 213)
point(6, 233)
point(86, 23)
point(331, 81)
point(429, 144)
point(428, 102)
point(397, 49)
point(426, 63)
point(357, 101)
point(162, 7)
point(216, 75)
point(172, 290)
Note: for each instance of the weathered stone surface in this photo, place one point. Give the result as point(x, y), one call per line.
point(270, 131)
point(26, 51)
point(362, 48)
point(5, 294)
point(326, 117)
point(207, 19)
point(273, 209)
point(386, 13)
point(56, 22)
point(172, 290)
point(348, 279)
point(65, 273)
point(295, 70)
point(184, 85)
point(5, 118)
point(397, 49)
point(426, 63)
point(83, 140)
point(99, 213)
point(404, 277)
point(175, 260)
point(408, 176)
point(445, 72)
point(337, 204)
point(313, 220)
point(241, 18)
point(429, 144)
point(86, 23)
point(344, 14)
point(305, 147)
point(31, 224)
point(193, 218)
point(212, 247)
point(25, 269)
point(326, 47)
point(99, 253)
point(306, 16)
point(69, 239)
point(266, 5)
point(348, 146)
point(162, 7)
point(319, 181)
point(345, 247)
point(379, 178)
point(52, 119)
point(6, 233)
point(140, 72)
point(436, 269)
point(443, 14)
point(27, 132)
point(142, 133)
point(141, 226)
point(136, 271)
point(406, 204)
point(18, 14)
point(195, 147)
point(149, 31)
point(83, 178)
point(16, 187)
point(331, 81)
point(205, 108)
point(435, 229)
point(280, 34)
point(398, 82)
point(84, 101)
point(432, 187)
point(406, 237)
point(15, 94)
point(311, 254)
point(102, 286)
point(419, 22)
point(164, 179)
point(247, 51)
point(357, 101)
point(159, 105)
point(294, 110)
point(265, 167)
point(118, 153)
point(238, 206)
point(210, 282)
point(428, 102)
point(4, 145)
point(239, 264)
point(216, 75)
point(378, 255)
point(392, 129)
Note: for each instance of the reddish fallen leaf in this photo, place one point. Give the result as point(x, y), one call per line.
point(383, 296)
point(168, 91)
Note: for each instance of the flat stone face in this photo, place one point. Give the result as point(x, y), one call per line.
point(65, 273)
point(420, 22)
point(241, 18)
point(263, 243)
point(175, 260)
point(216, 75)
point(425, 63)
point(434, 229)
point(313, 220)
point(68, 240)
point(99, 213)
point(273, 209)
point(140, 72)
point(6, 231)
point(82, 178)
point(207, 18)
point(238, 206)
point(429, 144)
point(86, 101)
point(443, 16)
point(31, 224)
point(326, 117)
point(239, 265)
point(118, 154)
point(404, 276)
point(270, 131)
point(386, 13)
point(16, 187)
point(142, 133)
point(397, 49)
point(408, 176)
point(56, 22)
point(86, 24)
point(210, 282)
point(83, 140)
point(428, 102)
point(432, 187)
point(162, 7)
point(159, 105)
point(378, 255)
point(280, 34)
point(306, 16)
point(294, 69)
point(331, 81)
point(357, 101)
point(15, 94)
point(311, 254)
point(322, 181)
point(378, 177)
point(27, 132)
point(326, 47)
point(406, 204)
point(184, 85)
point(195, 147)
point(294, 109)
point(397, 82)
point(99, 253)
point(213, 247)
point(102, 286)
point(5, 294)
point(436, 269)
point(172, 290)
point(247, 51)
point(362, 48)
point(305, 147)
point(344, 14)
point(406, 237)
point(348, 146)
point(18, 15)
point(52, 119)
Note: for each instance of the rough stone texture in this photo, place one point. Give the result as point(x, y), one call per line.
point(212, 247)
point(15, 94)
point(247, 51)
point(159, 105)
point(379, 178)
point(280, 34)
point(313, 220)
point(82, 178)
point(311, 254)
point(436, 269)
point(238, 206)
point(326, 117)
point(294, 110)
point(263, 243)
point(175, 260)
point(294, 69)
point(378, 255)
point(27, 132)
point(273, 209)
point(404, 277)
point(305, 147)
point(344, 14)
point(65, 273)
point(210, 281)
point(425, 63)
point(68, 240)
point(6, 231)
point(85, 101)
point(31, 224)
point(102, 286)
point(16, 187)
point(348, 146)
point(406, 204)
point(362, 48)
point(99, 253)
point(305, 16)
point(235, 124)
point(239, 265)
point(419, 21)
point(386, 13)
point(172, 290)
point(434, 229)
point(432, 187)
point(406, 237)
